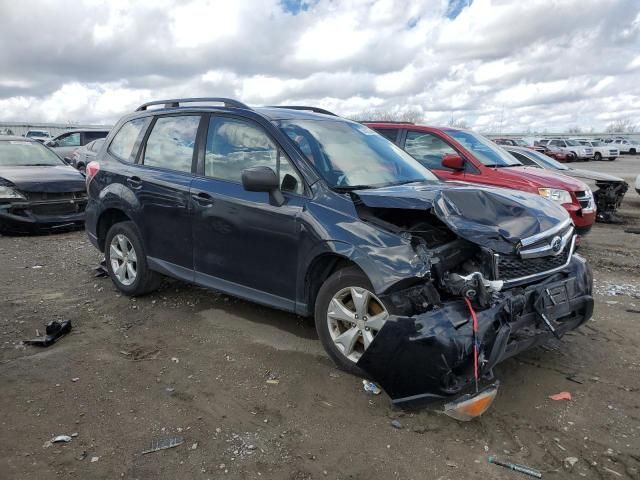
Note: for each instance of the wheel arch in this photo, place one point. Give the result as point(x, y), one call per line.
point(106, 220)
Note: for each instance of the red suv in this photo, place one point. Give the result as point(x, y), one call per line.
point(460, 155)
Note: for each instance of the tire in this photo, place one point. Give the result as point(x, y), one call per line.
point(82, 168)
point(126, 239)
point(632, 151)
point(571, 157)
point(611, 159)
point(339, 285)
point(597, 156)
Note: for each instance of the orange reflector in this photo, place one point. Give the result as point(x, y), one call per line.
point(469, 407)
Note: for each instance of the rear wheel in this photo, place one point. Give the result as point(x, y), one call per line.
point(611, 159)
point(632, 151)
point(127, 261)
point(348, 316)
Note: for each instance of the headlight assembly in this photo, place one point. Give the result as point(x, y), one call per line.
point(10, 193)
point(560, 196)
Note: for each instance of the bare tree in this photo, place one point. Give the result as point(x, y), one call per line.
point(574, 130)
point(622, 126)
point(385, 115)
point(457, 123)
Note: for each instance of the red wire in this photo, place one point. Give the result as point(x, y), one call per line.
point(475, 339)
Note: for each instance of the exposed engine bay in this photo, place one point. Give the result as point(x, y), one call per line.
point(519, 294)
point(608, 198)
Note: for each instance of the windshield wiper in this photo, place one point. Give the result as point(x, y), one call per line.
point(349, 188)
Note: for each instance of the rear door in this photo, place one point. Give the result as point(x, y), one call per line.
point(243, 244)
point(161, 180)
point(88, 137)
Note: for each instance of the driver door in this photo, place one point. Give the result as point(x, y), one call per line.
point(243, 244)
point(429, 149)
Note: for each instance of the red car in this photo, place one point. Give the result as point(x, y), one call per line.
point(460, 155)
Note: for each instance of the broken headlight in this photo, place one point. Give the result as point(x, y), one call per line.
point(557, 195)
point(10, 193)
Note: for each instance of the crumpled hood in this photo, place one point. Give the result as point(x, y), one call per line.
point(495, 218)
point(59, 178)
point(590, 175)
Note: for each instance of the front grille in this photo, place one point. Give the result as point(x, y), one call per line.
point(55, 196)
point(57, 208)
point(584, 198)
point(512, 266)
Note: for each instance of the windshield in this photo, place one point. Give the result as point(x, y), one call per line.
point(573, 143)
point(521, 143)
point(27, 154)
point(547, 162)
point(483, 149)
point(349, 155)
point(596, 143)
point(37, 133)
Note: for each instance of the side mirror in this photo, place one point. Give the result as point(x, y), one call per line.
point(453, 161)
point(263, 179)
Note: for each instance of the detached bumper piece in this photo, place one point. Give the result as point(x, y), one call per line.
point(430, 356)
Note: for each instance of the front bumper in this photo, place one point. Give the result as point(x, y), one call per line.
point(25, 220)
point(583, 219)
point(430, 356)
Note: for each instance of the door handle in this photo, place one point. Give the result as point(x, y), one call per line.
point(203, 198)
point(134, 182)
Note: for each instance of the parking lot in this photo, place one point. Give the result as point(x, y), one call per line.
point(253, 395)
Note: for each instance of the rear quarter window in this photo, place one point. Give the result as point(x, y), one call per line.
point(124, 141)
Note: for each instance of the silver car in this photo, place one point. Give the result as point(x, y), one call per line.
point(65, 143)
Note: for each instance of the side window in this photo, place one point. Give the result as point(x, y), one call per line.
point(122, 144)
point(555, 143)
point(91, 136)
point(171, 143)
point(428, 149)
point(233, 145)
point(524, 159)
point(70, 140)
point(388, 133)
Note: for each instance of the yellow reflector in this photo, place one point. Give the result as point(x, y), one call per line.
point(469, 407)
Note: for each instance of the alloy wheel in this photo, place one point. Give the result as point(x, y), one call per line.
point(355, 316)
point(124, 261)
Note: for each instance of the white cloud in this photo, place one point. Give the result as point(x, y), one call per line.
point(499, 64)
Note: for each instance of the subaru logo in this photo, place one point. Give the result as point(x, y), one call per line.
point(556, 244)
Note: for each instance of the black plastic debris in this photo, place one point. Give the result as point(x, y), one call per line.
point(55, 330)
point(101, 270)
point(163, 444)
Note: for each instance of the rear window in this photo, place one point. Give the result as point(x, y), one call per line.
point(124, 141)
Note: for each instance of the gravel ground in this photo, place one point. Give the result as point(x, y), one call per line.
point(252, 394)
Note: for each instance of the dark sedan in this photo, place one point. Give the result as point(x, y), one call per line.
point(38, 191)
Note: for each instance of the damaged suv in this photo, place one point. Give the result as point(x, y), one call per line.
point(301, 210)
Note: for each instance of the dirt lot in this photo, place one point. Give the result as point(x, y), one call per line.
point(194, 363)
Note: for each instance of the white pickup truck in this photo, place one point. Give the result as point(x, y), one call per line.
point(626, 146)
point(601, 150)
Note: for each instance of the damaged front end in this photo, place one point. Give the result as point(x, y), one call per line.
point(513, 267)
point(608, 198)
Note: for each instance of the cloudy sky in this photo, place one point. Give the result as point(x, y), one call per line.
point(505, 65)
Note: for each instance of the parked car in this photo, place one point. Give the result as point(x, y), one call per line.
point(579, 152)
point(462, 155)
point(608, 191)
point(626, 146)
point(38, 191)
point(517, 142)
point(318, 215)
point(81, 157)
point(600, 150)
point(65, 143)
point(555, 153)
point(6, 131)
point(39, 135)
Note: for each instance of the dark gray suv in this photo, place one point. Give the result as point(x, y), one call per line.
point(301, 210)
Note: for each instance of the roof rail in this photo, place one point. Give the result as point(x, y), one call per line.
point(302, 107)
point(175, 102)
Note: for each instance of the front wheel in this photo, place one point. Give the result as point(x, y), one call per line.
point(611, 159)
point(127, 261)
point(597, 156)
point(348, 316)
